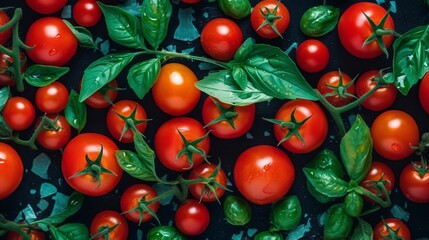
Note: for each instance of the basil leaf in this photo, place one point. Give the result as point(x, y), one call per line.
point(74, 231)
point(275, 74)
point(122, 27)
point(410, 58)
point(83, 35)
point(240, 77)
point(143, 75)
point(5, 130)
point(4, 96)
point(222, 86)
point(319, 20)
point(338, 224)
point(75, 112)
point(363, 231)
point(43, 75)
point(326, 182)
point(145, 154)
point(244, 50)
point(356, 150)
point(155, 16)
point(102, 71)
point(131, 163)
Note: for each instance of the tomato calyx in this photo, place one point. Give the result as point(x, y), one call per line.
point(341, 89)
point(382, 198)
point(422, 167)
point(226, 114)
point(391, 234)
point(105, 89)
point(378, 32)
point(142, 207)
point(375, 184)
point(190, 148)
point(130, 122)
point(270, 18)
point(104, 231)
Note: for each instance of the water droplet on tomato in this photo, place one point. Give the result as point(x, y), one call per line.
point(52, 52)
point(396, 147)
point(57, 36)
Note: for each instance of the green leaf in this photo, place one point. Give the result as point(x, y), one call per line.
point(319, 20)
point(410, 58)
point(155, 16)
point(222, 86)
point(4, 96)
point(131, 163)
point(122, 27)
point(143, 75)
point(363, 231)
point(5, 130)
point(43, 75)
point(326, 182)
point(75, 112)
point(356, 150)
point(240, 77)
point(83, 35)
point(102, 71)
point(145, 154)
point(244, 50)
point(73, 231)
point(338, 224)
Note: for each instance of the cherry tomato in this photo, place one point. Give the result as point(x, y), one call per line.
point(174, 91)
point(381, 99)
point(382, 232)
point(169, 143)
point(331, 80)
point(206, 170)
point(354, 29)
point(379, 171)
point(234, 122)
point(5, 35)
point(11, 170)
point(312, 56)
point(263, 174)
point(265, 10)
point(18, 113)
point(52, 42)
point(98, 99)
point(33, 236)
point(116, 125)
point(52, 98)
point(7, 72)
point(221, 38)
point(46, 6)
point(412, 185)
point(109, 219)
point(393, 133)
point(55, 139)
point(310, 124)
point(99, 176)
point(192, 218)
point(86, 13)
point(424, 93)
point(135, 195)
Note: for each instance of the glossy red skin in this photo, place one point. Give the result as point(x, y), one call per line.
point(168, 142)
point(192, 218)
point(380, 230)
point(115, 124)
point(52, 98)
point(11, 170)
point(393, 133)
point(33, 236)
point(110, 218)
point(52, 41)
point(46, 6)
point(381, 99)
point(7, 76)
point(256, 18)
point(73, 161)
point(379, 171)
point(424, 93)
point(55, 139)
point(205, 170)
point(312, 56)
point(5, 35)
point(18, 113)
point(130, 199)
point(354, 29)
point(174, 91)
point(221, 38)
point(97, 101)
point(314, 130)
point(243, 122)
point(414, 187)
point(263, 174)
point(86, 13)
point(332, 78)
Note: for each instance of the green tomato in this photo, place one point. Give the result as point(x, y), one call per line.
point(353, 203)
point(338, 224)
point(237, 211)
point(267, 235)
point(164, 233)
point(319, 20)
point(237, 9)
point(286, 214)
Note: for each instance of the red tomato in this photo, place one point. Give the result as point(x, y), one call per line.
point(312, 56)
point(174, 91)
point(98, 99)
point(46, 6)
point(55, 139)
point(206, 170)
point(109, 219)
point(398, 230)
point(169, 143)
point(52, 98)
point(381, 99)
point(18, 113)
point(11, 170)
point(192, 218)
point(86, 13)
point(7, 72)
point(116, 124)
point(234, 122)
point(331, 80)
point(100, 151)
point(221, 38)
point(52, 41)
point(5, 35)
point(131, 199)
point(379, 171)
point(393, 133)
point(263, 174)
point(270, 18)
point(354, 29)
point(33, 236)
point(424, 93)
point(313, 130)
point(412, 185)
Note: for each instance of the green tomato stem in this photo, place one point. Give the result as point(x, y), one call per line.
point(31, 141)
point(15, 227)
point(383, 203)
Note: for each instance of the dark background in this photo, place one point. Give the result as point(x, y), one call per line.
point(409, 14)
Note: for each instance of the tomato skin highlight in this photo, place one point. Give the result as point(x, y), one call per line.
point(312, 56)
point(11, 170)
point(412, 185)
point(46, 6)
point(205, 170)
point(55, 139)
point(18, 113)
point(381, 99)
point(130, 199)
point(109, 218)
point(52, 98)
point(192, 218)
point(256, 18)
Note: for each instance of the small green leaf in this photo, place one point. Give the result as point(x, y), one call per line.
point(74, 231)
point(5, 130)
point(4, 96)
point(338, 224)
point(326, 182)
point(143, 75)
point(155, 17)
point(43, 75)
point(244, 50)
point(131, 163)
point(240, 77)
point(83, 35)
point(363, 231)
point(319, 20)
point(75, 112)
point(286, 214)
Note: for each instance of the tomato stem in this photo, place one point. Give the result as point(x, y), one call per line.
point(14, 227)
point(380, 185)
